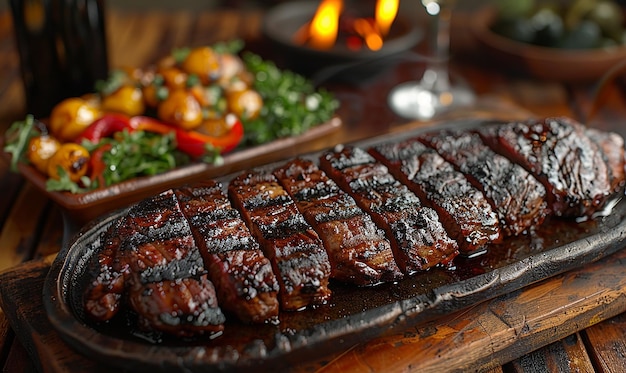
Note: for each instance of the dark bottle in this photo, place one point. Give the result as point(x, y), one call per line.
point(62, 48)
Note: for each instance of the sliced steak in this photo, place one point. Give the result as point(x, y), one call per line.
point(358, 250)
point(162, 267)
point(463, 209)
point(103, 294)
point(242, 275)
point(418, 239)
point(516, 196)
point(296, 252)
point(558, 153)
point(611, 145)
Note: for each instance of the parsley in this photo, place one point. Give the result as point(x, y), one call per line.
point(139, 153)
point(291, 104)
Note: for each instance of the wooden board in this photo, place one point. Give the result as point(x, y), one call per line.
point(484, 336)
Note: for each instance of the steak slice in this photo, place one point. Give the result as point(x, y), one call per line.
point(358, 251)
point(162, 267)
point(242, 275)
point(418, 239)
point(296, 252)
point(558, 153)
point(611, 145)
point(103, 294)
point(516, 196)
point(463, 209)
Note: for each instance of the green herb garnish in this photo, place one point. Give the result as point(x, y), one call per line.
point(17, 138)
point(139, 154)
point(291, 104)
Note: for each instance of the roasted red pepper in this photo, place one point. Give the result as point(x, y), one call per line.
point(97, 165)
point(193, 143)
point(104, 126)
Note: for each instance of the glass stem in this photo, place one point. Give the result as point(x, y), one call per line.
point(436, 73)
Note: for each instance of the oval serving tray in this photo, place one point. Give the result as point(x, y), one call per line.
point(353, 314)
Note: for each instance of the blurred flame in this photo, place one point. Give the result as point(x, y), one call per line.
point(386, 11)
point(325, 24)
point(322, 31)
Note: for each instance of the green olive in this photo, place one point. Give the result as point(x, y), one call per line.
point(608, 15)
point(585, 35)
point(549, 27)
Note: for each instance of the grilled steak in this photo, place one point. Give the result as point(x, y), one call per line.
point(463, 209)
point(296, 252)
point(362, 216)
point(418, 239)
point(242, 275)
point(358, 251)
point(161, 265)
point(559, 153)
point(103, 295)
point(611, 145)
point(516, 196)
point(183, 307)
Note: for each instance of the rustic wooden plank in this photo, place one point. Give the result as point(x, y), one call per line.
point(44, 346)
point(606, 344)
point(566, 355)
point(6, 336)
point(20, 230)
point(52, 235)
point(18, 361)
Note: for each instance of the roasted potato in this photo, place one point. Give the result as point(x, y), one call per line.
point(71, 116)
point(71, 158)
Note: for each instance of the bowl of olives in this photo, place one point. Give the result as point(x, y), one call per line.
point(560, 40)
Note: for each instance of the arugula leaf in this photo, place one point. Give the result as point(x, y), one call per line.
point(18, 137)
point(64, 183)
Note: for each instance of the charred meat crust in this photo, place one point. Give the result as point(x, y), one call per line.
point(611, 145)
point(515, 195)
point(296, 252)
point(418, 239)
point(463, 209)
point(358, 251)
point(242, 275)
point(558, 153)
point(161, 266)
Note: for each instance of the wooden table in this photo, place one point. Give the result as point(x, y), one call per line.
point(575, 321)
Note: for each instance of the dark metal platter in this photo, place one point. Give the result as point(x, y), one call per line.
point(353, 314)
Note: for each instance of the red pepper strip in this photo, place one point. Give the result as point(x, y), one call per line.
point(97, 165)
point(104, 126)
point(192, 142)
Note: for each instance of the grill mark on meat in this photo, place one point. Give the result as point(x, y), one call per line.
point(560, 155)
point(157, 241)
point(463, 209)
point(296, 252)
point(418, 239)
point(516, 196)
point(242, 275)
point(161, 266)
point(358, 251)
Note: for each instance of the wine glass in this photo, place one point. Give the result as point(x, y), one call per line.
point(434, 93)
